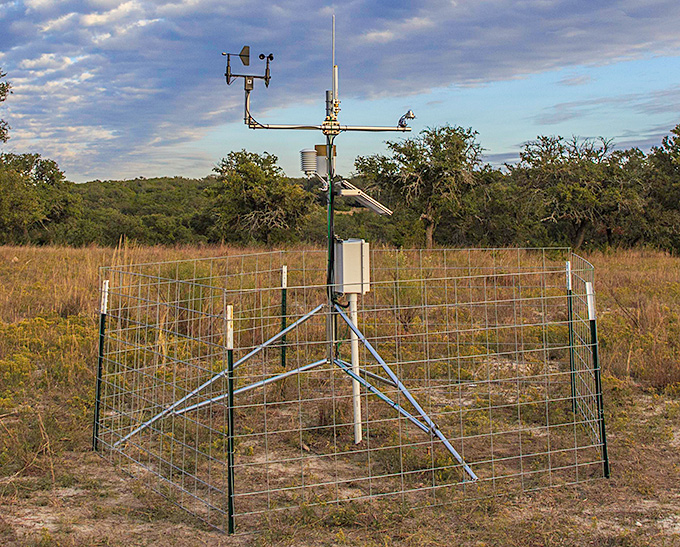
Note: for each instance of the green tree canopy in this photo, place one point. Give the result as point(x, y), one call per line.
point(428, 174)
point(496, 212)
point(254, 201)
point(665, 161)
point(663, 212)
point(37, 196)
point(579, 182)
point(20, 207)
point(5, 89)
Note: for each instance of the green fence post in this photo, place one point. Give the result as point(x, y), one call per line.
point(100, 363)
point(230, 418)
point(590, 294)
point(570, 322)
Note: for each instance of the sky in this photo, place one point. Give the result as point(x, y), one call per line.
point(119, 89)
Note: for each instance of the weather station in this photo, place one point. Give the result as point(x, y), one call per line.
point(348, 268)
point(269, 380)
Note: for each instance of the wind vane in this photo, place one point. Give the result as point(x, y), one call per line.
point(312, 160)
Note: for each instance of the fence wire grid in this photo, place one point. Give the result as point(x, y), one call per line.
point(497, 346)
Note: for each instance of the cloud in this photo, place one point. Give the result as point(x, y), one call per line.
point(575, 80)
point(501, 159)
point(399, 30)
point(46, 61)
point(140, 74)
point(645, 139)
point(380, 36)
point(111, 16)
point(664, 101)
point(39, 5)
point(59, 24)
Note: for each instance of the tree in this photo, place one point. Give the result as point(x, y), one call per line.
point(41, 197)
point(254, 201)
point(579, 183)
point(665, 163)
point(625, 199)
point(664, 176)
point(496, 212)
point(20, 207)
point(428, 174)
point(5, 89)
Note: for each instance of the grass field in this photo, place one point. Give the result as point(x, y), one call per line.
point(54, 491)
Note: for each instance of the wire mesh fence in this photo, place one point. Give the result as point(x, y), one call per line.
point(478, 375)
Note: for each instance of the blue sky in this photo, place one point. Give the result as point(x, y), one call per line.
point(116, 89)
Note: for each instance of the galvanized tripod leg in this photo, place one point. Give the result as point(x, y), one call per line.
point(348, 369)
point(219, 375)
point(434, 430)
point(254, 385)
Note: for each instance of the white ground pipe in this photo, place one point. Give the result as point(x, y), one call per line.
point(356, 386)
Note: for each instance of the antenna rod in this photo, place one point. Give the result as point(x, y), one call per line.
point(335, 100)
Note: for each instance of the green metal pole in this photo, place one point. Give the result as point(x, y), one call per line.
point(330, 218)
point(100, 364)
point(230, 419)
point(330, 274)
point(598, 379)
point(570, 322)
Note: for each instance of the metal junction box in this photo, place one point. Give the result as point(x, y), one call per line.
point(352, 269)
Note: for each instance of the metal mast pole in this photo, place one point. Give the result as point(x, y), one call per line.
point(330, 130)
point(330, 274)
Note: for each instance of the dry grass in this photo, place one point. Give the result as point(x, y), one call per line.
point(639, 306)
point(40, 281)
point(53, 491)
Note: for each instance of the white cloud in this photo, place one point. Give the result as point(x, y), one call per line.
point(174, 9)
point(105, 18)
point(575, 80)
point(40, 5)
point(381, 36)
point(59, 24)
point(100, 37)
point(135, 24)
point(399, 30)
point(69, 143)
point(7, 7)
point(104, 4)
point(663, 101)
point(46, 61)
point(189, 7)
point(418, 23)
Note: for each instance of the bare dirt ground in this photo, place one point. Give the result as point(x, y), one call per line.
point(81, 500)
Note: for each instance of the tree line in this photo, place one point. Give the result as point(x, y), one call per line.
point(576, 192)
point(561, 192)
